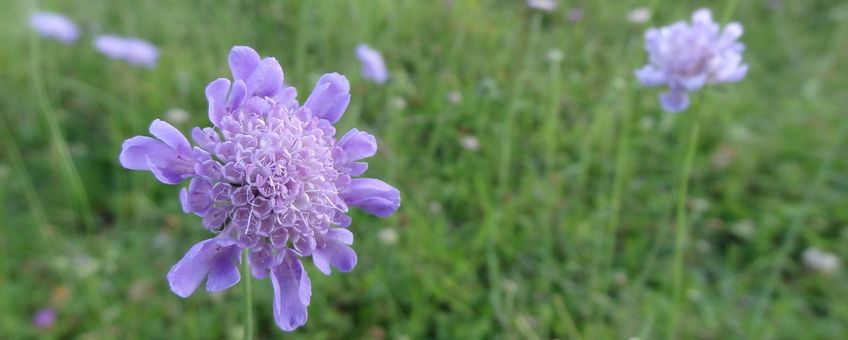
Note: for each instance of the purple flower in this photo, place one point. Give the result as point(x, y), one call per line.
point(373, 66)
point(269, 176)
point(545, 5)
point(44, 318)
point(685, 57)
point(132, 50)
point(54, 26)
point(575, 14)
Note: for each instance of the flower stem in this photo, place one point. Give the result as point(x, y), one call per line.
point(681, 228)
point(248, 297)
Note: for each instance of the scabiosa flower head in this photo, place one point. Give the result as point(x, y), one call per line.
point(544, 5)
point(54, 26)
point(131, 50)
point(269, 176)
point(685, 57)
point(373, 66)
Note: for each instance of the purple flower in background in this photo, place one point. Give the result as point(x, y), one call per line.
point(269, 176)
point(132, 50)
point(54, 26)
point(545, 5)
point(373, 66)
point(44, 318)
point(575, 14)
point(685, 57)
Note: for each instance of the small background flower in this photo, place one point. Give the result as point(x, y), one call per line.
point(470, 143)
point(455, 97)
point(373, 66)
point(555, 55)
point(639, 15)
point(544, 5)
point(55, 26)
point(44, 318)
point(575, 14)
point(131, 50)
point(820, 261)
point(177, 115)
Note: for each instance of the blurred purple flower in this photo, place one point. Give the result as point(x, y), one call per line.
point(575, 14)
point(373, 66)
point(545, 5)
point(54, 26)
point(686, 57)
point(132, 50)
point(44, 318)
point(270, 177)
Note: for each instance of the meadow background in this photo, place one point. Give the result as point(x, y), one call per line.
point(560, 225)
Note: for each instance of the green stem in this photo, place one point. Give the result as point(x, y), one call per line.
point(248, 297)
point(56, 138)
point(618, 182)
point(504, 170)
point(681, 228)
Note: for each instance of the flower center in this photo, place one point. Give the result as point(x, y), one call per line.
point(283, 177)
